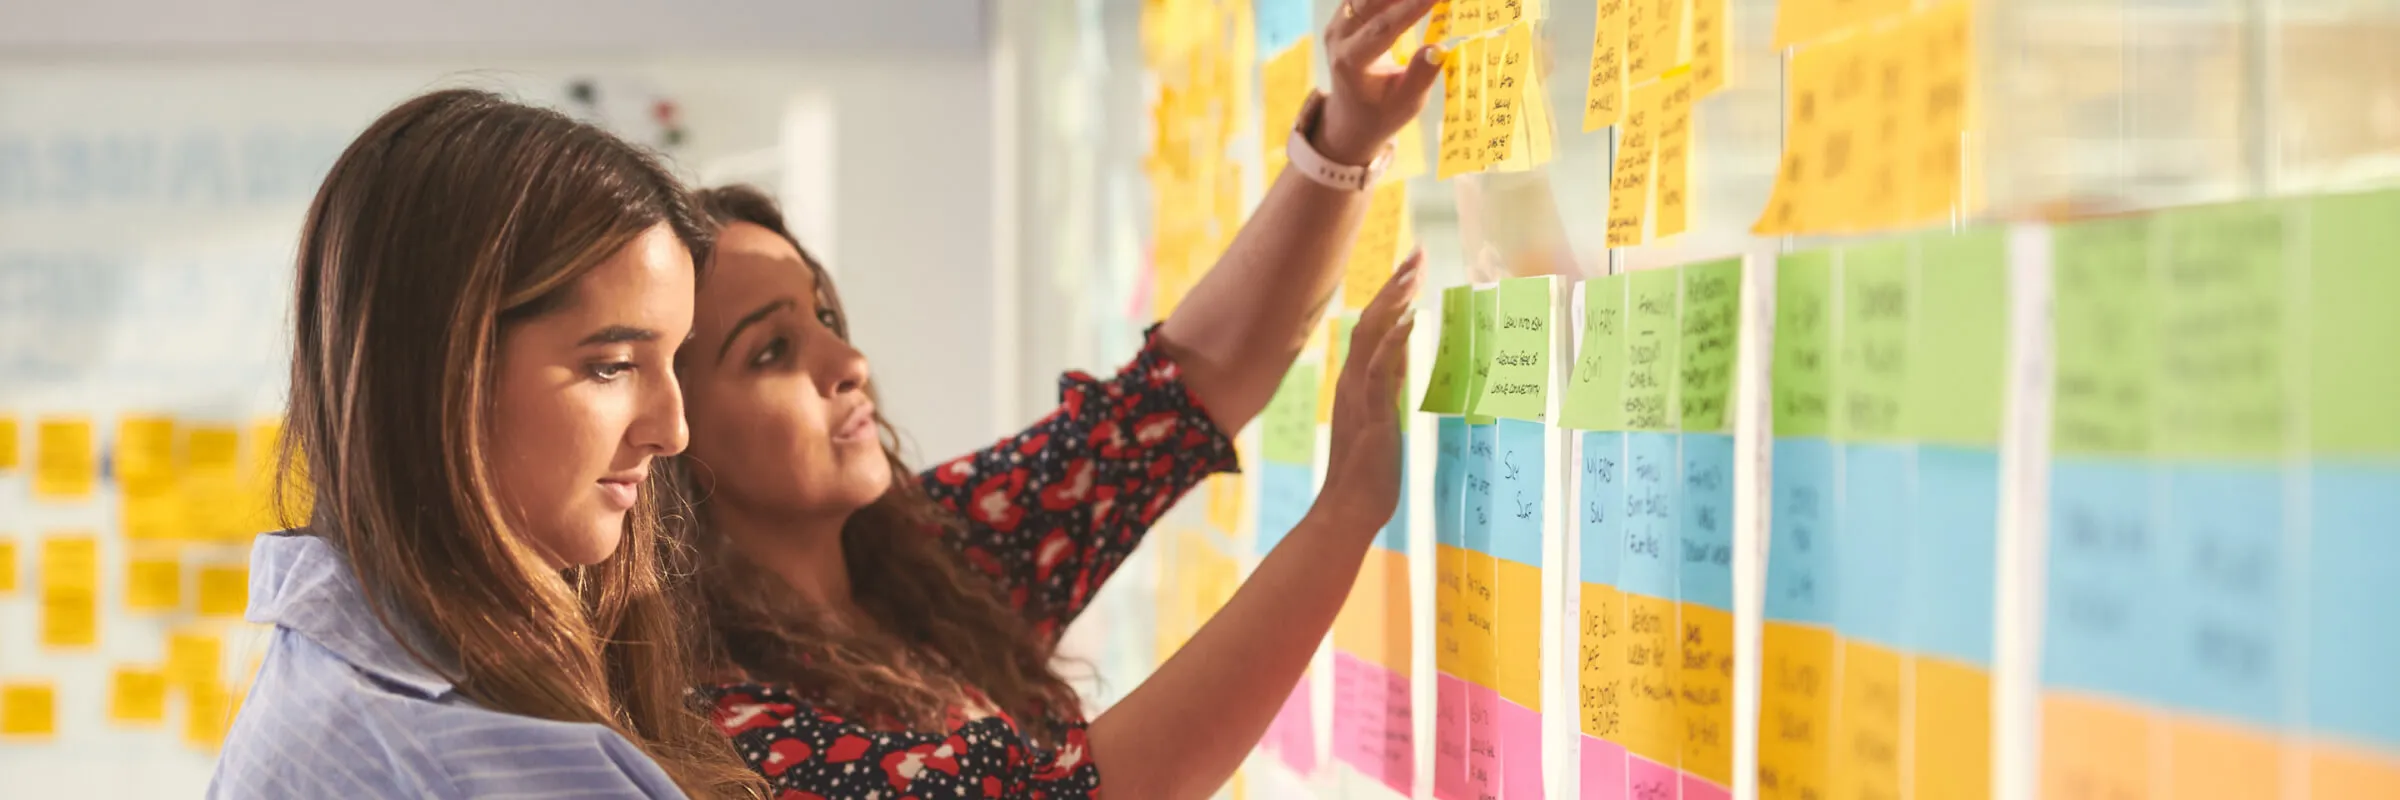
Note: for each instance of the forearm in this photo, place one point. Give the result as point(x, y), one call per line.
point(1184, 731)
point(1237, 332)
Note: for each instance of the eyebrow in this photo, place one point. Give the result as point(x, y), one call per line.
point(752, 318)
point(618, 334)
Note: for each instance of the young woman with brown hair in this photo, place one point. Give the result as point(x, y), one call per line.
point(488, 301)
point(873, 635)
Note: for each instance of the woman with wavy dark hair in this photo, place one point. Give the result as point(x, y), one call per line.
point(894, 636)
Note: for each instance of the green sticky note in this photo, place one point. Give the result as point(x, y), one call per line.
point(1518, 382)
point(1288, 426)
point(2221, 338)
point(1596, 390)
point(1446, 389)
point(1711, 338)
point(1803, 372)
point(1873, 338)
point(2103, 332)
point(1479, 358)
point(1961, 355)
point(1651, 347)
point(2353, 280)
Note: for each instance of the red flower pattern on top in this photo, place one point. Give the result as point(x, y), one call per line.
point(1049, 514)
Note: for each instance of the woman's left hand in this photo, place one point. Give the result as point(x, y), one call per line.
point(1373, 98)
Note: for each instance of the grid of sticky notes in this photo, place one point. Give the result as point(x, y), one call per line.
point(1652, 379)
point(1286, 488)
point(1205, 58)
point(1490, 484)
point(1495, 115)
point(1374, 709)
point(2225, 480)
point(1888, 377)
point(1652, 61)
point(1878, 104)
point(186, 495)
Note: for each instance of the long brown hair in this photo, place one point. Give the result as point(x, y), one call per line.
point(938, 629)
point(453, 216)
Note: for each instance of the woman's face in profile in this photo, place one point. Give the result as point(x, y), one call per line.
point(777, 396)
point(586, 399)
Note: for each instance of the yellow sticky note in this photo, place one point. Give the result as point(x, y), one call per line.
point(1654, 38)
point(1466, 17)
point(1358, 630)
point(2338, 771)
point(1704, 691)
point(1398, 619)
point(1479, 600)
point(1503, 93)
point(65, 465)
point(224, 590)
point(1652, 728)
point(1795, 724)
point(1866, 734)
point(8, 443)
point(1377, 248)
point(1674, 154)
point(1953, 733)
point(1449, 608)
point(1475, 78)
point(8, 565)
point(1540, 137)
point(1821, 111)
point(1708, 47)
point(153, 582)
point(1451, 158)
point(137, 696)
point(1629, 180)
point(213, 490)
point(194, 659)
point(2093, 747)
point(70, 582)
point(2217, 760)
point(28, 709)
point(1802, 21)
point(208, 712)
point(145, 460)
point(1940, 57)
point(1437, 23)
point(1519, 671)
point(1285, 81)
point(1604, 90)
point(1601, 661)
point(1408, 153)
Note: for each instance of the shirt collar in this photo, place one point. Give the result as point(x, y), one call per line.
point(301, 583)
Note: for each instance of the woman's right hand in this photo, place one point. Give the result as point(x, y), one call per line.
point(1362, 478)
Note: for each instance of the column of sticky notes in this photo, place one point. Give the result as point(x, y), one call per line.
point(1709, 316)
point(1515, 393)
point(1649, 575)
point(1652, 61)
point(1202, 55)
point(2202, 598)
point(1877, 114)
point(1494, 113)
point(1286, 488)
point(1459, 657)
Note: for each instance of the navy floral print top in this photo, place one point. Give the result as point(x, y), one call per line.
point(1048, 514)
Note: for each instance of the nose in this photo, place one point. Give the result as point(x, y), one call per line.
point(845, 369)
point(659, 427)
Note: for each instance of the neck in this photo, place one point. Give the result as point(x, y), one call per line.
point(805, 550)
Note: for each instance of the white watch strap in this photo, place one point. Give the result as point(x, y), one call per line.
point(1316, 167)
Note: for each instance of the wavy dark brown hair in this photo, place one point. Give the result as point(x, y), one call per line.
point(455, 215)
point(936, 629)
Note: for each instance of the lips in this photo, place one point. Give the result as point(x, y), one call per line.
point(859, 425)
point(620, 490)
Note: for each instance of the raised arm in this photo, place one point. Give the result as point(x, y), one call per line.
point(1182, 732)
point(1238, 330)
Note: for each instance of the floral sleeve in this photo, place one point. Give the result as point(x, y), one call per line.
point(1050, 512)
point(808, 753)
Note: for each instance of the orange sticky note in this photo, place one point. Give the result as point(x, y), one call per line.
point(137, 696)
point(2218, 760)
point(1604, 90)
point(194, 659)
point(1479, 600)
point(1601, 661)
point(9, 444)
point(28, 709)
point(65, 464)
point(1674, 154)
point(1629, 180)
point(224, 590)
point(1285, 80)
point(1704, 692)
point(70, 581)
point(1519, 605)
point(1652, 728)
point(1795, 725)
point(2094, 747)
point(1708, 47)
point(1953, 735)
point(8, 565)
point(2338, 771)
point(1821, 116)
point(1866, 734)
point(1449, 609)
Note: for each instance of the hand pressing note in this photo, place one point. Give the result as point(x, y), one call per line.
point(1372, 98)
point(1362, 478)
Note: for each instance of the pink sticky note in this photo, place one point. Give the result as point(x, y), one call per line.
point(1520, 731)
point(1603, 769)
point(1399, 734)
point(1450, 738)
point(1483, 740)
point(1699, 788)
point(1357, 712)
point(1299, 746)
point(1649, 780)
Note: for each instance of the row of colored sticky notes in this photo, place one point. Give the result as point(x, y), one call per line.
point(67, 572)
point(1876, 127)
point(178, 481)
point(139, 695)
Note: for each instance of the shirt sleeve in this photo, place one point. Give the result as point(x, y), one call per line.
point(807, 753)
point(1050, 512)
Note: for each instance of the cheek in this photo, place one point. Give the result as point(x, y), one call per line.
point(548, 442)
point(757, 441)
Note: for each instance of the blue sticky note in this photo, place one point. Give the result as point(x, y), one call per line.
point(2354, 580)
point(1878, 481)
point(1600, 519)
point(2228, 586)
point(2103, 622)
point(1705, 552)
point(1800, 533)
point(1280, 23)
point(1285, 491)
point(1653, 489)
point(1517, 474)
point(1450, 481)
point(1479, 509)
point(1954, 556)
point(1395, 533)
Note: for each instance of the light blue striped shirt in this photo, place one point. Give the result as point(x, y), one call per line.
point(340, 709)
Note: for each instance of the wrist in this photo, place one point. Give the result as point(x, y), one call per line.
point(1343, 139)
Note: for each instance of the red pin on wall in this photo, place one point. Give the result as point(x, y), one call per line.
point(671, 128)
